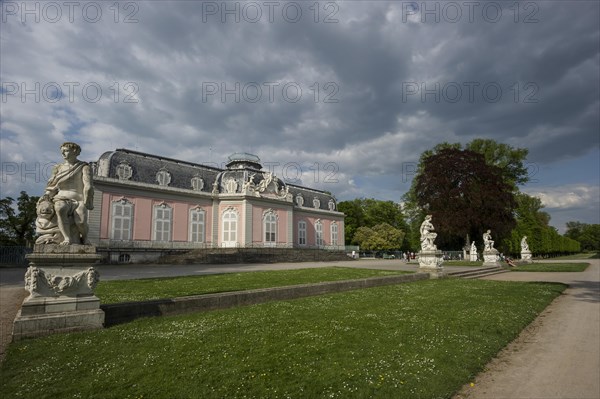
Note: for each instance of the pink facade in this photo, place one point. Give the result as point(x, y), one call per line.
point(144, 201)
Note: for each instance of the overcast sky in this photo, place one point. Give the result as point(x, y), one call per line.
point(341, 96)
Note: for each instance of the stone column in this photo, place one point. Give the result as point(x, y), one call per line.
point(61, 280)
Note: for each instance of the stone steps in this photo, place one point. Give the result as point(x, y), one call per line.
point(478, 272)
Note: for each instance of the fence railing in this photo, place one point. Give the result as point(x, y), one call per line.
point(14, 255)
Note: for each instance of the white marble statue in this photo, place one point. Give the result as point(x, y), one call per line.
point(524, 245)
point(62, 209)
point(427, 235)
point(488, 243)
point(473, 248)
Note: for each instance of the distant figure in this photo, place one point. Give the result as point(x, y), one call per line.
point(488, 244)
point(524, 245)
point(71, 193)
point(427, 235)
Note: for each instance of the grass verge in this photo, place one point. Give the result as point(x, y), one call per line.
point(582, 255)
point(417, 340)
point(551, 267)
point(161, 288)
point(461, 263)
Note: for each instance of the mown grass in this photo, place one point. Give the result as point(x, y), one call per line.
point(417, 340)
point(160, 288)
point(462, 263)
point(551, 267)
point(582, 255)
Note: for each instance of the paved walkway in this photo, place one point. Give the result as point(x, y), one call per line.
point(558, 355)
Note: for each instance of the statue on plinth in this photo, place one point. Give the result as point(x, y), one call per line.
point(525, 251)
point(62, 209)
point(427, 235)
point(490, 254)
point(61, 277)
point(473, 253)
point(430, 259)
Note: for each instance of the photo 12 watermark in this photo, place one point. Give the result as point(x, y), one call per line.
point(270, 11)
point(26, 172)
point(453, 12)
point(469, 92)
point(271, 92)
point(52, 92)
point(69, 11)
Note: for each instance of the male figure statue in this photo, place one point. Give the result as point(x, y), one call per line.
point(488, 244)
point(70, 190)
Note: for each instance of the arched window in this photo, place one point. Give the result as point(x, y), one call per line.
point(122, 217)
point(163, 215)
point(334, 233)
point(270, 227)
point(319, 233)
point(229, 238)
point(197, 183)
point(197, 217)
point(302, 233)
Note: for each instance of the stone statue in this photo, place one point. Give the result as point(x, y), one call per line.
point(62, 210)
point(488, 244)
point(427, 235)
point(473, 248)
point(524, 245)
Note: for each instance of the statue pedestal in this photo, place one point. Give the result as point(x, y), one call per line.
point(491, 258)
point(473, 257)
point(431, 262)
point(526, 257)
point(61, 282)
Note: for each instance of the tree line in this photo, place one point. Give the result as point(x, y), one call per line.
point(467, 190)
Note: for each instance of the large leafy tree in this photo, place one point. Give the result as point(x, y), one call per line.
point(465, 195)
point(17, 226)
point(369, 212)
point(510, 160)
point(382, 236)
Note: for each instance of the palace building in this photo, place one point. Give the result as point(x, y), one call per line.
point(145, 205)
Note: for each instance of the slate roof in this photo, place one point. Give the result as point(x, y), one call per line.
point(145, 167)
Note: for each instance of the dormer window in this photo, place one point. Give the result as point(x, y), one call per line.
point(197, 183)
point(124, 171)
point(163, 177)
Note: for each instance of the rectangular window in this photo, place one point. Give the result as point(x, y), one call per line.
point(122, 213)
point(334, 234)
point(319, 233)
point(197, 225)
point(301, 233)
point(162, 223)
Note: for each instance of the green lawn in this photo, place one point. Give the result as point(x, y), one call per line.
point(582, 255)
point(418, 340)
point(461, 263)
point(551, 267)
point(160, 288)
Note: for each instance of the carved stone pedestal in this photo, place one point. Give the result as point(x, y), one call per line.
point(473, 257)
point(491, 257)
point(431, 262)
point(61, 282)
point(526, 257)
